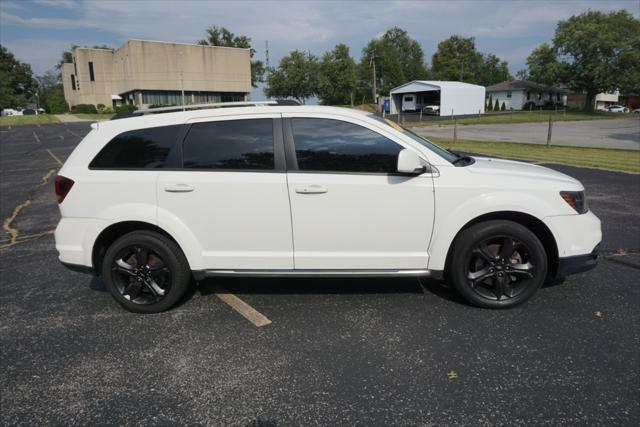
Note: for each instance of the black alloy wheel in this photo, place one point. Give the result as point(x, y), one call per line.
point(146, 272)
point(497, 264)
point(142, 277)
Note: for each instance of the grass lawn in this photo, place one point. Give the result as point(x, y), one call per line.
point(525, 117)
point(28, 120)
point(597, 158)
point(94, 116)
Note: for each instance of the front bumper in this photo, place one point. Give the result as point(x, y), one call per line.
point(578, 264)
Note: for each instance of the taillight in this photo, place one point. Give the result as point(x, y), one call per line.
point(63, 186)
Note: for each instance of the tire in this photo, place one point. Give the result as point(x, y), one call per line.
point(152, 287)
point(497, 264)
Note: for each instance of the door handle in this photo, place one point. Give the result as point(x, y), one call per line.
point(178, 188)
point(311, 189)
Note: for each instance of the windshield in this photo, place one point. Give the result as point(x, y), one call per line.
point(447, 155)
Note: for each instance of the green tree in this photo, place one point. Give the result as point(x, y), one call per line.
point(458, 59)
point(599, 52)
point(220, 36)
point(398, 59)
point(490, 103)
point(296, 77)
point(503, 107)
point(593, 52)
point(16, 81)
point(337, 77)
point(496, 106)
point(543, 66)
point(51, 94)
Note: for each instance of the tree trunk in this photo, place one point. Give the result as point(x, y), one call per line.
point(588, 103)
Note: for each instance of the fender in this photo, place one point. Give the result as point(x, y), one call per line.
point(453, 214)
point(185, 238)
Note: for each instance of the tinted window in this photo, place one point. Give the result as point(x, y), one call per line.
point(337, 146)
point(232, 144)
point(138, 149)
point(92, 77)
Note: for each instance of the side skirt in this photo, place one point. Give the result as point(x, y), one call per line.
point(203, 274)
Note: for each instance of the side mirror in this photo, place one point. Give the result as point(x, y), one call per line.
point(410, 163)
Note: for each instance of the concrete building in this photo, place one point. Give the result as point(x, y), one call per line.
point(148, 72)
point(444, 98)
point(516, 94)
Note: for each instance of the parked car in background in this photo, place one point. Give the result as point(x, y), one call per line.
point(431, 109)
point(29, 112)
point(636, 111)
point(150, 202)
point(10, 112)
point(617, 109)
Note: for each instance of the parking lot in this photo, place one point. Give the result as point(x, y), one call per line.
point(621, 134)
point(337, 351)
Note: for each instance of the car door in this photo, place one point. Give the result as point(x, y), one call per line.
point(350, 209)
point(229, 193)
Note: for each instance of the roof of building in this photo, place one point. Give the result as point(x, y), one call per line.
point(433, 85)
point(525, 85)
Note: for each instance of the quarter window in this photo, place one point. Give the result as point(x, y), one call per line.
point(231, 144)
point(138, 149)
point(337, 146)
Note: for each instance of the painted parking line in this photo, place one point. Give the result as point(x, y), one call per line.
point(35, 136)
point(54, 157)
point(245, 310)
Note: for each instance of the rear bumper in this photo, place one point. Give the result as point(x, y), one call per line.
point(578, 264)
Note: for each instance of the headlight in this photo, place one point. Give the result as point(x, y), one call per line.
point(576, 200)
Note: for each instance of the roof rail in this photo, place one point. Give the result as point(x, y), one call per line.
point(196, 106)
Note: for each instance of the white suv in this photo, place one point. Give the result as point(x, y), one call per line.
point(150, 202)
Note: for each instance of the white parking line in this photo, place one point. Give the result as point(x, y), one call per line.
point(35, 136)
point(248, 312)
point(54, 157)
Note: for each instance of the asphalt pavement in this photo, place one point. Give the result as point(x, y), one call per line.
point(338, 351)
point(616, 133)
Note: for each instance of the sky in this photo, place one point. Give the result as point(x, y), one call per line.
point(37, 31)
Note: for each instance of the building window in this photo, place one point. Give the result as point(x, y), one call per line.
point(508, 94)
point(73, 82)
point(92, 77)
point(528, 95)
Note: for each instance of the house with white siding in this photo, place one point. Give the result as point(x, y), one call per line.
point(524, 94)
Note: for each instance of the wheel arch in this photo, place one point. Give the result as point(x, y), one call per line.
point(535, 225)
point(114, 231)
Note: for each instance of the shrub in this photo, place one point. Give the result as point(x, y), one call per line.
point(125, 108)
point(102, 109)
point(503, 107)
point(530, 105)
point(490, 104)
point(84, 109)
point(496, 107)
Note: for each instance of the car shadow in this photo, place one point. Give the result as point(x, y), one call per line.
point(330, 286)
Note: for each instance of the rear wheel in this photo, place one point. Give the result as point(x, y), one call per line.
point(145, 272)
point(498, 264)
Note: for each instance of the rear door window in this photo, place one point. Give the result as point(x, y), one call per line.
point(138, 149)
point(231, 144)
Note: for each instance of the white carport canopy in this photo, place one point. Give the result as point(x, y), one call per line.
point(456, 98)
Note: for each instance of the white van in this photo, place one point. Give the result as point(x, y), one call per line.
point(409, 102)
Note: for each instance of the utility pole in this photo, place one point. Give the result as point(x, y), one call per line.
point(267, 54)
point(372, 64)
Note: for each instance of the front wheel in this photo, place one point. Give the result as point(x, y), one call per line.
point(497, 264)
point(145, 272)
